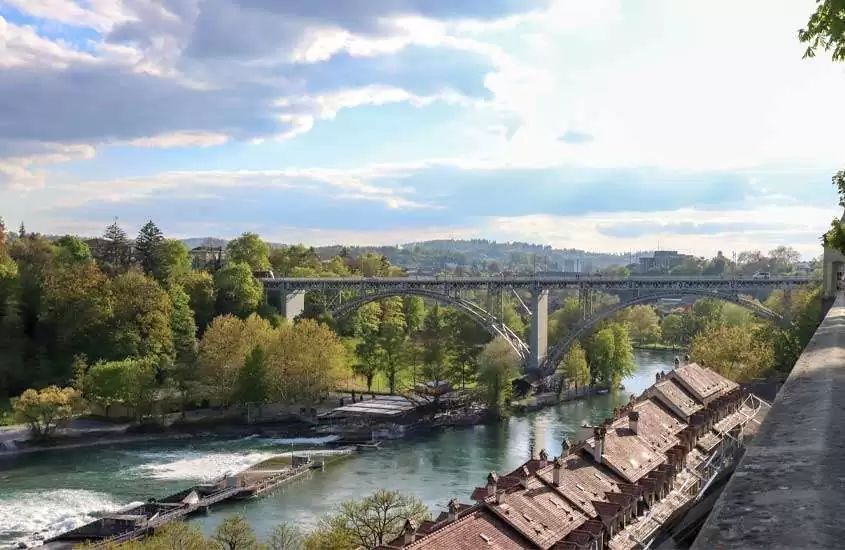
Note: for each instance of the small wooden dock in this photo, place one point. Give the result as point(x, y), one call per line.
point(144, 520)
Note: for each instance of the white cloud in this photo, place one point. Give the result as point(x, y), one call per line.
point(22, 46)
point(181, 139)
point(669, 83)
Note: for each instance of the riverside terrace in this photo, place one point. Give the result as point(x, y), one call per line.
point(616, 490)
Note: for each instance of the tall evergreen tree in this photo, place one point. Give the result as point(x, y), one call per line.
point(21, 231)
point(147, 246)
point(115, 254)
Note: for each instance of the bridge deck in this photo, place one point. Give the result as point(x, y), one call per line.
point(787, 491)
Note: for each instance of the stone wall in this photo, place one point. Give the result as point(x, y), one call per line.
point(787, 491)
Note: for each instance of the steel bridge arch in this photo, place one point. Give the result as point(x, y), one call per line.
point(558, 351)
point(481, 316)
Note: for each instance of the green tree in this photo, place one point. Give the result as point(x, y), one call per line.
point(142, 317)
point(497, 367)
point(235, 533)
point(249, 249)
point(287, 259)
point(415, 314)
point(252, 380)
point(238, 292)
point(825, 30)
point(223, 351)
point(147, 245)
point(71, 249)
point(393, 340)
point(202, 296)
point(643, 324)
point(733, 351)
point(575, 368)
point(437, 352)
point(184, 334)
point(44, 410)
point(673, 331)
point(131, 381)
point(611, 354)
point(115, 252)
point(171, 260)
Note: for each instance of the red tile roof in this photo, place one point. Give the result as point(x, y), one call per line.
point(538, 512)
point(479, 530)
point(674, 395)
point(627, 454)
point(702, 382)
point(656, 426)
point(582, 481)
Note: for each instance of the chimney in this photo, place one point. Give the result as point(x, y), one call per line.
point(677, 361)
point(565, 448)
point(526, 475)
point(453, 509)
point(633, 420)
point(558, 466)
point(409, 532)
point(492, 480)
point(544, 458)
point(658, 376)
point(598, 442)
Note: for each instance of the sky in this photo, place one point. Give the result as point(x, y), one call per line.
point(607, 125)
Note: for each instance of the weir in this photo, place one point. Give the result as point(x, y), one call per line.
point(144, 520)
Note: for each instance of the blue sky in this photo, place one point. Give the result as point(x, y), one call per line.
point(597, 124)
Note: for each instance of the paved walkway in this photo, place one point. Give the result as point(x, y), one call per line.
point(787, 493)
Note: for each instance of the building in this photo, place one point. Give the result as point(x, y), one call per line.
point(663, 260)
point(615, 489)
point(208, 257)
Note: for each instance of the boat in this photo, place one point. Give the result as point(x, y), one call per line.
point(371, 446)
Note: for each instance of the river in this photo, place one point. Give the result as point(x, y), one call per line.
point(53, 492)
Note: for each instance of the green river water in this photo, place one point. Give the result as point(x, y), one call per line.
point(41, 495)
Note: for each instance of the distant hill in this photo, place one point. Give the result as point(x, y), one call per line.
point(478, 254)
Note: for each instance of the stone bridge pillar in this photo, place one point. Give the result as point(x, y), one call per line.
point(538, 342)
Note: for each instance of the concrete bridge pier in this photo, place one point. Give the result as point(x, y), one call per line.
point(538, 342)
point(290, 304)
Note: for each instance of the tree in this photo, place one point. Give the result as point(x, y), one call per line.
point(115, 253)
point(415, 314)
point(199, 285)
point(184, 334)
point(142, 319)
point(497, 366)
point(783, 258)
point(171, 260)
point(643, 324)
point(835, 236)
point(251, 250)
point(44, 410)
point(174, 536)
point(575, 367)
point(235, 533)
point(734, 351)
point(147, 244)
point(466, 340)
point(393, 340)
point(76, 307)
point(131, 381)
point(238, 292)
point(224, 348)
point(285, 260)
point(673, 331)
point(72, 249)
point(79, 368)
point(286, 537)
point(825, 30)
point(252, 380)
point(21, 231)
point(611, 354)
point(377, 519)
point(437, 354)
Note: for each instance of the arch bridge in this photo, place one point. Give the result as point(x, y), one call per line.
point(534, 353)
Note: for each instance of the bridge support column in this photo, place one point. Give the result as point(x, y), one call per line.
point(291, 304)
point(538, 342)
